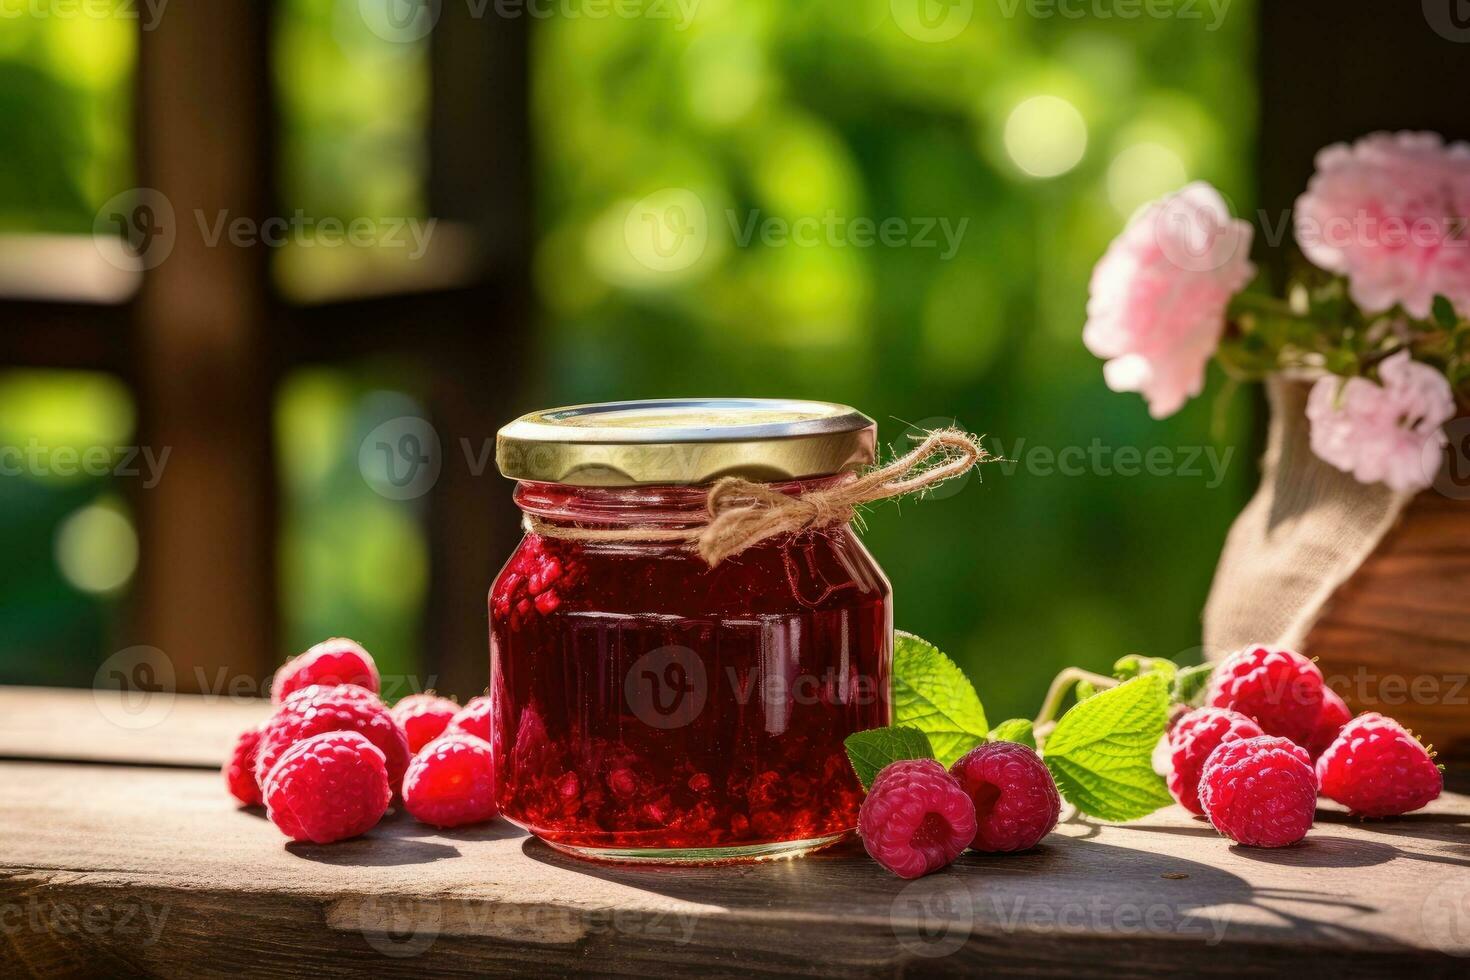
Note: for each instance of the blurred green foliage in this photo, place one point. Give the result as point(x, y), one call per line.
point(757, 110)
point(1030, 139)
point(54, 623)
point(352, 562)
point(65, 97)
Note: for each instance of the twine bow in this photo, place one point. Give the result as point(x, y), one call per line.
point(743, 513)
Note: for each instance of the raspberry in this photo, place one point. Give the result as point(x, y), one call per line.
point(424, 718)
point(1279, 689)
point(1377, 768)
point(473, 718)
point(331, 662)
point(533, 582)
point(239, 769)
point(1192, 740)
point(1016, 801)
point(916, 818)
point(451, 782)
point(1333, 716)
point(344, 708)
point(327, 788)
point(1259, 791)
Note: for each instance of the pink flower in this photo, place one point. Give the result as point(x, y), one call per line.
point(1157, 301)
point(1389, 433)
point(1390, 213)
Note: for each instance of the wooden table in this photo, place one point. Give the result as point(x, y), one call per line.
point(123, 855)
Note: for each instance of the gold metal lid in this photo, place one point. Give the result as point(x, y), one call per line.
point(685, 441)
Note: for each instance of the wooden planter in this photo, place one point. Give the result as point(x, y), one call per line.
point(1395, 637)
point(1374, 585)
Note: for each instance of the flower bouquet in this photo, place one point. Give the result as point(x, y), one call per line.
point(1365, 352)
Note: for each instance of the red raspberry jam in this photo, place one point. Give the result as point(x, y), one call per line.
point(647, 706)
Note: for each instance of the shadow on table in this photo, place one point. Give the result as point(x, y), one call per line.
point(1445, 828)
point(1068, 887)
point(400, 840)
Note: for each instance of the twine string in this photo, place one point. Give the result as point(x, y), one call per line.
point(742, 512)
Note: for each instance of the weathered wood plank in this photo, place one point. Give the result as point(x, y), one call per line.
point(151, 728)
point(208, 888)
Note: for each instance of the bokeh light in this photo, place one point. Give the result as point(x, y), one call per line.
point(1045, 136)
point(97, 549)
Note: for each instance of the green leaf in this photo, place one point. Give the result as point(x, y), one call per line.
point(1014, 730)
point(1084, 690)
point(875, 748)
point(1190, 684)
point(1444, 312)
point(1101, 752)
point(932, 694)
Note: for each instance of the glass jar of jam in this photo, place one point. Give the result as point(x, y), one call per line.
point(647, 705)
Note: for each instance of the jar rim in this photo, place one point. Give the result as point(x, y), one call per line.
point(683, 441)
